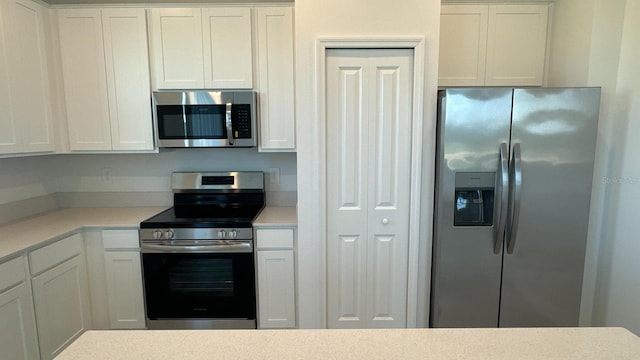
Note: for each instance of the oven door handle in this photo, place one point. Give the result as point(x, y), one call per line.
point(243, 247)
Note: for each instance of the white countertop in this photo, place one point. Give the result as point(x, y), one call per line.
point(34, 232)
point(276, 217)
point(27, 234)
point(533, 343)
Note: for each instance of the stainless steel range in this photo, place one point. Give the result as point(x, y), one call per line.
point(197, 257)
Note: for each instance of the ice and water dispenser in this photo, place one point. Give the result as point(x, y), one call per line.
point(474, 194)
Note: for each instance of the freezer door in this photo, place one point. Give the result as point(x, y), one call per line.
point(472, 125)
point(555, 131)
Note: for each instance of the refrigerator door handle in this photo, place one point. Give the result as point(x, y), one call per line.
point(514, 204)
point(503, 193)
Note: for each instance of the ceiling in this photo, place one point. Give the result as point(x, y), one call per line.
point(124, 2)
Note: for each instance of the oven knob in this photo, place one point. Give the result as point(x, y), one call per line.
point(169, 234)
point(233, 234)
point(157, 234)
point(221, 234)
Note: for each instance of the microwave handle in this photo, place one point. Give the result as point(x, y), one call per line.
point(229, 127)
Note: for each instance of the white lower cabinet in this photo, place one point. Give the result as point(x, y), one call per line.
point(60, 294)
point(124, 279)
point(18, 338)
point(276, 278)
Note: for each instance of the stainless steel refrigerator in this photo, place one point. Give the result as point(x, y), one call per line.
point(513, 185)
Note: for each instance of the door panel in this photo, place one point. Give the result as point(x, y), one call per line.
point(351, 281)
point(542, 279)
point(369, 99)
point(389, 186)
point(466, 272)
point(346, 191)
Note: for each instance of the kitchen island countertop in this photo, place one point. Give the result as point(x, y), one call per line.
point(485, 344)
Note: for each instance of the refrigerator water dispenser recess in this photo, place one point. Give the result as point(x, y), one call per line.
point(474, 194)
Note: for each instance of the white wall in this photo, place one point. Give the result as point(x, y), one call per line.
point(618, 283)
point(355, 18)
point(570, 42)
point(24, 178)
point(28, 177)
point(594, 43)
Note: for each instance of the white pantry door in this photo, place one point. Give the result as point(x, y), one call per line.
point(369, 102)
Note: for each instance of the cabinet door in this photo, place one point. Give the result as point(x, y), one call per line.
point(176, 45)
point(127, 65)
point(463, 45)
point(124, 289)
point(85, 82)
point(18, 324)
point(275, 79)
point(18, 338)
point(62, 307)
point(30, 76)
point(9, 136)
point(276, 289)
point(369, 97)
point(227, 48)
point(516, 45)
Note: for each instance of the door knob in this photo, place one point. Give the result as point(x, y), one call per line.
point(385, 221)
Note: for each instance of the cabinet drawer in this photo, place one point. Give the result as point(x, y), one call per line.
point(11, 273)
point(51, 255)
point(274, 238)
point(120, 239)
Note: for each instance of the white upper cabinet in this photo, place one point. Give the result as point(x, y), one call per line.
point(176, 43)
point(275, 85)
point(106, 79)
point(85, 81)
point(197, 48)
point(463, 45)
point(25, 117)
point(492, 45)
point(128, 83)
point(9, 136)
point(227, 48)
point(516, 44)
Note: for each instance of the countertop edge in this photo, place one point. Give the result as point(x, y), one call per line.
point(23, 236)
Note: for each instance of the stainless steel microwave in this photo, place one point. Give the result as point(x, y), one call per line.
point(203, 118)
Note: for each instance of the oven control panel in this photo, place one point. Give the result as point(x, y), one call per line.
point(197, 234)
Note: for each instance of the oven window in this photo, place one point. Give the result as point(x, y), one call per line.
point(201, 275)
point(197, 285)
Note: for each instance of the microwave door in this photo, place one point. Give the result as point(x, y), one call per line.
point(205, 118)
point(206, 122)
point(191, 126)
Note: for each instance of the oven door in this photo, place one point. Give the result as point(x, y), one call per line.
point(199, 290)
